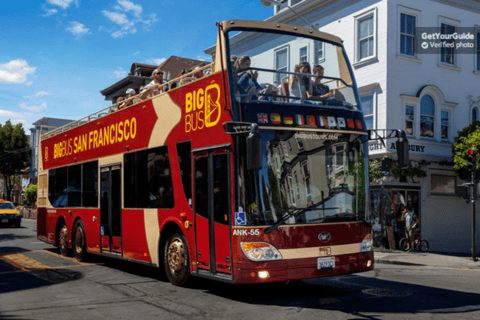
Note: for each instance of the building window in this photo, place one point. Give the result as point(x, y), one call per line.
point(303, 54)
point(365, 37)
point(474, 114)
point(447, 54)
point(445, 117)
point(407, 34)
point(442, 184)
point(409, 120)
point(320, 52)
point(281, 63)
point(427, 116)
point(367, 107)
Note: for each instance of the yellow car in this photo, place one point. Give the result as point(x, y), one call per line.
point(9, 216)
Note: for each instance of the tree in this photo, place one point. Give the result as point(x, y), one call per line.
point(467, 138)
point(14, 153)
point(30, 195)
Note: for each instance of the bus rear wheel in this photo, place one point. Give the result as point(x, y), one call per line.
point(176, 260)
point(79, 241)
point(63, 241)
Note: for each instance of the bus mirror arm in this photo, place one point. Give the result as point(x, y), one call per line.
point(401, 143)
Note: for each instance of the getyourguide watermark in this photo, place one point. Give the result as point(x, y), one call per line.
point(435, 40)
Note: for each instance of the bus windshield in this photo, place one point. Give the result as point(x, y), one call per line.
point(313, 176)
point(289, 69)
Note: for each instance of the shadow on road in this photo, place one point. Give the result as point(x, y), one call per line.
point(352, 294)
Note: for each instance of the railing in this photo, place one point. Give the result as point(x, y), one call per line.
point(186, 79)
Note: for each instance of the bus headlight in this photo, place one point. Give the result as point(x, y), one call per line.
point(366, 244)
point(260, 251)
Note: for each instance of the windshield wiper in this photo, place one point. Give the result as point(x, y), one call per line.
point(341, 217)
point(295, 214)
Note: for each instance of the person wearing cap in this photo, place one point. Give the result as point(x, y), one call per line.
point(130, 93)
point(155, 87)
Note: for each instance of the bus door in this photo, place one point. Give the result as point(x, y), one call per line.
point(111, 209)
point(212, 210)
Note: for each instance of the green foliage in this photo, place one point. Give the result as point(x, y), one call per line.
point(467, 138)
point(14, 152)
point(30, 195)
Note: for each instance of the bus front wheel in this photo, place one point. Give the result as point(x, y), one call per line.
point(176, 260)
point(79, 241)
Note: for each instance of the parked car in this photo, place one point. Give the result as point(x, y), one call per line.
point(9, 216)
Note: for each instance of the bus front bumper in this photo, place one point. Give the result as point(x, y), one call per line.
point(299, 269)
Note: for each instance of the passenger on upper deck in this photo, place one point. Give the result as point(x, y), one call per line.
point(199, 73)
point(155, 87)
point(247, 80)
point(299, 85)
point(130, 100)
point(320, 91)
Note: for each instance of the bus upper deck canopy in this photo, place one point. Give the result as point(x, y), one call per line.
point(278, 27)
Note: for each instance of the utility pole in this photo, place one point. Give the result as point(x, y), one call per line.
point(472, 166)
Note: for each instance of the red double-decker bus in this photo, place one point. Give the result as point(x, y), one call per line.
point(242, 175)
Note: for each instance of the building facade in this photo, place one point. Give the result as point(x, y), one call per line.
point(41, 126)
point(429, 95)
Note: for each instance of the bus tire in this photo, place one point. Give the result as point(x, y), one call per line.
point(79, 241)
point(63, 240)
point(176, 260)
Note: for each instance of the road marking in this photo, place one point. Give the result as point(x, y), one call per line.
point(22, 262)
point(26, 264)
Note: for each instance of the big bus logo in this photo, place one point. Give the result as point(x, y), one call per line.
point(202, 108)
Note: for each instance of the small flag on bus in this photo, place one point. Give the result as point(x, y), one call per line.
point(311, 120)
point(299, 119)
point(331, 122)
point(288, 120)
point(341, 122)
point(262, 118)
point(275, 118)
point(350, 124)
point(322, 122)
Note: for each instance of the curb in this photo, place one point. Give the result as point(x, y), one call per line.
point(398, 262)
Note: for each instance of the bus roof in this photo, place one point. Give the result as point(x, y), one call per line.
point(274, 26)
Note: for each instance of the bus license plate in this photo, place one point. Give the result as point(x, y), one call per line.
point(326, 263)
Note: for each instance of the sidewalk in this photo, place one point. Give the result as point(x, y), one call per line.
point(417, 258)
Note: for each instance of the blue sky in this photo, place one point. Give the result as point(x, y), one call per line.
point(57, 55)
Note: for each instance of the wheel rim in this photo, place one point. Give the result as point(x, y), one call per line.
point(79, 241)
point(63, 239)
point(176, 256)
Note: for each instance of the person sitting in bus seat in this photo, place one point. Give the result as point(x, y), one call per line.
point(300, 85)
point(129, 98)
point(155, 86)
point(247, 80)
point(199, 74)
point(116, 106)
point(320, 91)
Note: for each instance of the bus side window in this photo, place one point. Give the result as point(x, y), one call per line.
point(184, 150)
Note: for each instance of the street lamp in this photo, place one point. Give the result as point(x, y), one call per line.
point(268, 3)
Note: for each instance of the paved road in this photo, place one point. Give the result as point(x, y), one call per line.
point(37, 283)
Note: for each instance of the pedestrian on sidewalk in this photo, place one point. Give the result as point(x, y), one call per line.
point(411, 222)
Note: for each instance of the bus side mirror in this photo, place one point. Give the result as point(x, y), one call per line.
point(254, 149)
point(402, 150)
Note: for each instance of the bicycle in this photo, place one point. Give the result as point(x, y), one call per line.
point(419, 243)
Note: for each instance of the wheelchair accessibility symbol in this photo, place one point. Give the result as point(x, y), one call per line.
point(240, 219)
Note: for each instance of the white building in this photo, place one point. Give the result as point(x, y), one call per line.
point(430, 96)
